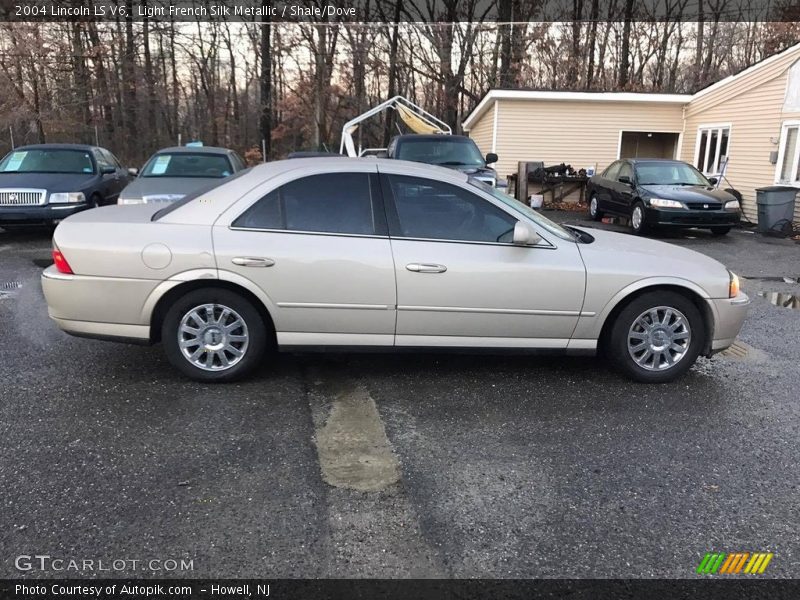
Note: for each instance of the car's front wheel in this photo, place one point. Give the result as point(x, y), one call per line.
point(214, 335)
point(657, 337)
point(594, 208)
point(638, 219)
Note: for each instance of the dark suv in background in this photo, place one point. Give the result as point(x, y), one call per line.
point(654, 193)
point(44, 183)
point(452, 151)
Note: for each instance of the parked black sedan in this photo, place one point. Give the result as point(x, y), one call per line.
point(44, 183)
point(654, 193)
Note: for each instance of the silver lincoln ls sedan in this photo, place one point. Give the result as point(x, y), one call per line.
point(327, 253)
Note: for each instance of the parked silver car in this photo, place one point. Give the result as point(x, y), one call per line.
point(172, 173)
point(373, 253)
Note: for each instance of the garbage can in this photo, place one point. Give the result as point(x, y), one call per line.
point(775, 206)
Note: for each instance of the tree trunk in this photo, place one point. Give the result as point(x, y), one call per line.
point(624, 63)
point(265, 81)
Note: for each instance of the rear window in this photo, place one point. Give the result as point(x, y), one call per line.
point(185, 164)
point(195, 194)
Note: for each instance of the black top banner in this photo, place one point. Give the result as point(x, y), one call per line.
point(383, 11)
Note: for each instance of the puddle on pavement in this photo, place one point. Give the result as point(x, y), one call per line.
point(782, 299)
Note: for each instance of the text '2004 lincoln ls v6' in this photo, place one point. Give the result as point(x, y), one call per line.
point(371, 253)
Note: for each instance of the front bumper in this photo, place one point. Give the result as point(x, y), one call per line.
point(46, 213)
point(729, 315)
point(691, 218)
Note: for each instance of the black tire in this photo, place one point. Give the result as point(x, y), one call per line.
point(641, 228)
point(95, 201)
point(256, 333)
point(594, 210)
point(617, 348)
point(720, 230)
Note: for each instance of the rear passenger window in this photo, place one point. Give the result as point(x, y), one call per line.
point(329, 203)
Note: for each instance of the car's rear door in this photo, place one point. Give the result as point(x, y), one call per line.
point(460, 280)
point(316, 244)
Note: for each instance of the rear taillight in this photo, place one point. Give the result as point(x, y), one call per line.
point(60, 262)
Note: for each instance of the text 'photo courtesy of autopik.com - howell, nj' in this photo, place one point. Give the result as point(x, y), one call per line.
point(391, 299)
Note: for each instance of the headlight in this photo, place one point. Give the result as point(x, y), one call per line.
point(130, 201)
point(661, 203)
point(732, 205)
point(733, 289)
point(63, 197)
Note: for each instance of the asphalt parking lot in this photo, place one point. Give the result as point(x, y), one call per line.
point(399, 466)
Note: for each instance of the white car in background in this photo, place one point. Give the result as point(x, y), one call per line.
point(375, 253)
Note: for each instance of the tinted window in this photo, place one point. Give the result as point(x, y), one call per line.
point(186, 164)
point(433, 210)
point(330, 203)
point(441, 150)
point(625, 171)
point(110, 158)
point(47, 161)
point(612, 170)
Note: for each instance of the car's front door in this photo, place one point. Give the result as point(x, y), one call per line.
point(622, 191)
point(317, 246)
point(460, 280)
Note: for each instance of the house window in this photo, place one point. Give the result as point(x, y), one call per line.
point(711, 153)
point(788, 170)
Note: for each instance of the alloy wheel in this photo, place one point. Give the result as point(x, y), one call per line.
point(637, 218)
point(213, 337)
point(659, 338)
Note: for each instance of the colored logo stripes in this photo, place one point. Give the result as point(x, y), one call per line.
point(734, 563)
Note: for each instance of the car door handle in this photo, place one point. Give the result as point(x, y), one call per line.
point(252, 261)
point(426, 268)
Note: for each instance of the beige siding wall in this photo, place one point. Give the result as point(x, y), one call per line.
point(580, 133)
point(481, 132)
point(753, 106)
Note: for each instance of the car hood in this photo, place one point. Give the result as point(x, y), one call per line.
point(173, 188)
point(474, 171)
point(687, 193)
point(617, 260)
point(52, 182)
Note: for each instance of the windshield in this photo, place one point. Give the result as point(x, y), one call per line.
point(526, 210)
point(186, 164)
point(48, 161)
point(443, 150)
point(669, 174)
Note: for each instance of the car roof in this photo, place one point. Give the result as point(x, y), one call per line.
point(79, 147)
point(431, 136)
point(655, 160)
point(194, 150)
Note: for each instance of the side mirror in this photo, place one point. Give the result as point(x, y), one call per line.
point(491, 158)
point(713, 180)
point(133, 172)
point(107, 171)
point(524, 235)
point(625, 179)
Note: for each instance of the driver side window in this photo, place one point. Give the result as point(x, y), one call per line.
point(429, 209)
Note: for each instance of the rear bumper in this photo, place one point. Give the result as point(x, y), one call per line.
point(729, 315)
point(39, 214)
point(98, 307)
point(692, 218)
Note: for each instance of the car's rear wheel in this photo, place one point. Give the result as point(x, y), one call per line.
point(720, 230)
point(638, 220)
point(214, 335)
point(657, 337)
point(594, 208)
